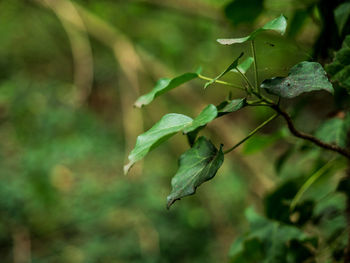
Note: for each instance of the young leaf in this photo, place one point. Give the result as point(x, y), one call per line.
point(164, 85)
point(161, 131)
point(231, 106)
point(196, 166)
point(232, 66)
point(303, 77)
point(244, 66)
point(278, 25)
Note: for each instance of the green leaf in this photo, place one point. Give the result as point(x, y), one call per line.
point(303, 77)
point(339, 69)
point(230, 67)
point(244, 66)
point(207, 115)
point(259, 142)
point(243, 11)
point(196, 166)
point(334, 131)
point(341, 14)
point(278, 25)
point(165, 128)
point(270, 238)
point(231, 106)
point(164, 85)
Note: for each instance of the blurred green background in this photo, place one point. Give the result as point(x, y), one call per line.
point(69, 74)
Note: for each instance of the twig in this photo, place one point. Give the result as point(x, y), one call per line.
point(308, 137)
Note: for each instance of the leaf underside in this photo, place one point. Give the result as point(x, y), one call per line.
point(303, 77)
point(196, 166)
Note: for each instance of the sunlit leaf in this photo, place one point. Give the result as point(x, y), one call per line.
point(164, 85)
point(196, 166)
point(232, 66)
point(278, 25)
point(244, 66)
point(303, 77)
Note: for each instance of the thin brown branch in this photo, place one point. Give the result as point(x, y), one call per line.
point(308, 137)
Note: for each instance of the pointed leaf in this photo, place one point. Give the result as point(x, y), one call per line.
point(207, 115)
point(231, 106)
point(162, 86)
point(165, 128)
point(278, 25)
point(244, 66)
point(303, 77)
point(232, 66)
point(196, 166)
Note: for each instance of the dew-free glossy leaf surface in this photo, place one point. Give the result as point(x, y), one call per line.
point(207, 115)
point(278, 25)
point(164, 85)
point(233, 65)
point(341, 14)
point(167, 126)
point(303, 77)
point(196, 166)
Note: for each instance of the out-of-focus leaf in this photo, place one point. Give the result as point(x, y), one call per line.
point(162, 86)
point(334, 130)
point(196, 166)
point(278, 25)
point(339, 69)
point(168, 125)
point(303, 77)
point(244, 66)
point(260, 142)
point(271, 239)
point(341, 14)
point(231, 106)
point(243, 11)
point(297, 21)
point(232, 66)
